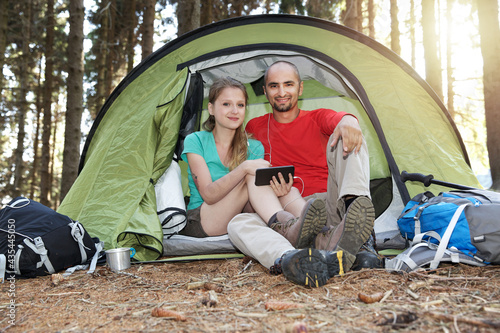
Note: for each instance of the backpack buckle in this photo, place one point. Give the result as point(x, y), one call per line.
point(39, 242)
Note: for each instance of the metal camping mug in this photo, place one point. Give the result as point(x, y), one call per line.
point(119, 259)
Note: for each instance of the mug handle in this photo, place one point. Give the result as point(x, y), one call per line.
point(132, 252)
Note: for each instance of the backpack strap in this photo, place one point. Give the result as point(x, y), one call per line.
point(420, 237)
point(99, 246)
point(39, 248)
point(443, 244)
point(77, 231)
point(416, 218)
point(22, 202)
point(408, 260)
point(93, 264)
point(3, 267)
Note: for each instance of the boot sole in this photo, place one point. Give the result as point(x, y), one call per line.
point(311, 267)
point(358, 225)
point(314, 220)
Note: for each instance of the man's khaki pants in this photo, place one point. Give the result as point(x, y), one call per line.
point(346, 176)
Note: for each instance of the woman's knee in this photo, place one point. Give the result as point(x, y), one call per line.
point(249, 179)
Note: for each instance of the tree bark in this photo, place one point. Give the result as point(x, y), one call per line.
point(110, 56)
point(350, 14)
point(53, 179)
point(131, 35)
point(45, 184)
point(449, 65)
point(359, 16)
point(371, 19)
point(74, 108)
point(36, 139)
point(433, 68)
point(103, 50)
point(23, 107)
point(3, 37)
point(206, 12)
point(489, 31)
point(395, 34)
point(188, 16)
point(148, 25)
point(412, 33)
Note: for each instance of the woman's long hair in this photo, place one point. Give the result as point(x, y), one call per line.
point(238, 149)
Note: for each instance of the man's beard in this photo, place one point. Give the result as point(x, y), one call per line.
point(282, 108)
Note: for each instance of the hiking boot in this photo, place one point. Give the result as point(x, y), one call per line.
point(309, 267)
point(351, 233)
point(300, 231)
point(368, 256)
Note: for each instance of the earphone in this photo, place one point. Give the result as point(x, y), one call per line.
point(269, 140)
point(271, 151)
point(248, 143)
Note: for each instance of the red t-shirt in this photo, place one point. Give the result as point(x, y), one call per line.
point(301, 143)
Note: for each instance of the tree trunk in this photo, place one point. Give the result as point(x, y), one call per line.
point(148, 24)
point(449, 66)
point(3, 37)
point(45, 184)
point(103, 49)
point(433, 68)
point(237, 9)
point(111, 55)
point(359, 16)
point(207, 9)
point(489, 31)
point(131, 35)
point(74, 109)
point(188, 16)
point(267, 5)
point(395, 45)
point(350, 14)
point(412, 33)
point(23, 107)
point(36, 139)
point(371, 19)
point(53, 179)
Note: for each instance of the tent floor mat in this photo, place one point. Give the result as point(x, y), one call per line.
point(189, 258)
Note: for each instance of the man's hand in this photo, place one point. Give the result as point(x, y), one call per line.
point(349, 130)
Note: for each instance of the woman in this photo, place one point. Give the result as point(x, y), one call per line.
point(222, 162)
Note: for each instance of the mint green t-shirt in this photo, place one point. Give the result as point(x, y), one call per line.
point(203, 144)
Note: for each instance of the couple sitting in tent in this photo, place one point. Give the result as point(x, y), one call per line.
point(309, 236)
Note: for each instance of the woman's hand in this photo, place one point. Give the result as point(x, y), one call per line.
point(281, 187)
point(252, 165)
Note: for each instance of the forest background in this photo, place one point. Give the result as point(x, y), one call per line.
point(60, 59)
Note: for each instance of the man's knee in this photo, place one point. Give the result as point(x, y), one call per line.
point(240, 220)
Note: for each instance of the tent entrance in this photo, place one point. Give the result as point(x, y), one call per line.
point(324, 86)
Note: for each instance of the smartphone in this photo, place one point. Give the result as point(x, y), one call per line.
point(263, 176)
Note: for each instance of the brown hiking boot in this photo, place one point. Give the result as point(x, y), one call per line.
point(300, 231)
point(352, 232)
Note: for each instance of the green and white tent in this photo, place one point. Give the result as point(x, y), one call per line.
point(144, 120)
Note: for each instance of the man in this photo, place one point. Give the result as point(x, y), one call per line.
point(331, 162)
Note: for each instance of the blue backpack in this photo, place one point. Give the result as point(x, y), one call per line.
point(456, 226)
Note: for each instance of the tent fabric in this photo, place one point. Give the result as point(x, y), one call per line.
point(142, 123)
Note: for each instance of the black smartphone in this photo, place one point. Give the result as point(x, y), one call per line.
point(265, 175)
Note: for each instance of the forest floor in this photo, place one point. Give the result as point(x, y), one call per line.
point(238, 295)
